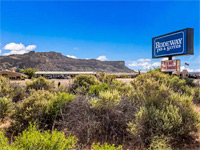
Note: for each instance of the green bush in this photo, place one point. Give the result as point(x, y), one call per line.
point(41, 107)
point(5, 107)
point(98, 146)
point(34, 139)
point(13, 91)
point(106, 100)
point(40, 84)
point(159, 143)
point(63, 88)
point(4, 144)
point(104, 78)
point(162, 111)
point(82, 83)
point(95, 89)
point(4, 87)
point(56, 103)
point(173, 82)
point(32, 109)
point(196, 95)
point(17, 93)
point(190, 82)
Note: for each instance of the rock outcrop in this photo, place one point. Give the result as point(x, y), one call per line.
point(53, 61)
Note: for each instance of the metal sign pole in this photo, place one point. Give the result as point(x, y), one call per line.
point(170, 58)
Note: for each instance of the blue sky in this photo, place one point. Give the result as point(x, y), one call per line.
point(108, 30)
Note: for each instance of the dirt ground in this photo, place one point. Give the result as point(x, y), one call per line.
point(126, 80)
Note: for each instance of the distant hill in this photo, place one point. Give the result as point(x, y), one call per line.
point(53, 61)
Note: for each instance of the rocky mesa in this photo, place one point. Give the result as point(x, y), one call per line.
point(53, 61)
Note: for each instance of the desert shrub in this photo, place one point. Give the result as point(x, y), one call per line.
point(104, 78)
point(4, 144)
point(98, 146)
point(17, 93)
point(174, 82)
point(159, 143)
point(196, 94)
point(4, 87)
point(33, 139)
point(63, 88)
point(115, 84)
point(85, 128)
point(82, 83)
point(106, 100)
point(3, 140)
point(56, 103)
point(190, 82)
point(162, 112)
point(124, 89)
point(155, 121)
point(41, 107)
point(32, 109)
point(97, 125)
point(13, 91)
point(95, 89)
point(5, 107)
point(101, 76)
point(40, 84)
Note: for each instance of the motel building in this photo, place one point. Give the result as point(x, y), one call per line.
point(11, 74)
point(70, 74)
point(61, 74)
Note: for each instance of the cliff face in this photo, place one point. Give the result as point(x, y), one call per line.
point(52, 61)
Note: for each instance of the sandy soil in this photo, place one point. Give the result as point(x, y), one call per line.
point(126, 80)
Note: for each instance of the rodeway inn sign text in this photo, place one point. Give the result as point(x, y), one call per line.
point(172, 44)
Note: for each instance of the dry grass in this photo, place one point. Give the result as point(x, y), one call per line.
point(64, 82)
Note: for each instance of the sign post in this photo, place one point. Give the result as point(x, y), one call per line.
point(170, 58)
point(176, 43)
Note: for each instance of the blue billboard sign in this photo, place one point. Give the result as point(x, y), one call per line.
point(173, 44)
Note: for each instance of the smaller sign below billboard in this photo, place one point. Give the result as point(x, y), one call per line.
point(170, 65)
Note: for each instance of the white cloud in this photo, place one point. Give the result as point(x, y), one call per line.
point(144, 63)
point(102, 58)
point(70, 56)
point(133, 64)
point(184, 68)
point(197, 70)
point(143, 60)
point(0, 52)
point(156, 64)
point(18, 48)
point(30, 47)
point(189, 70)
